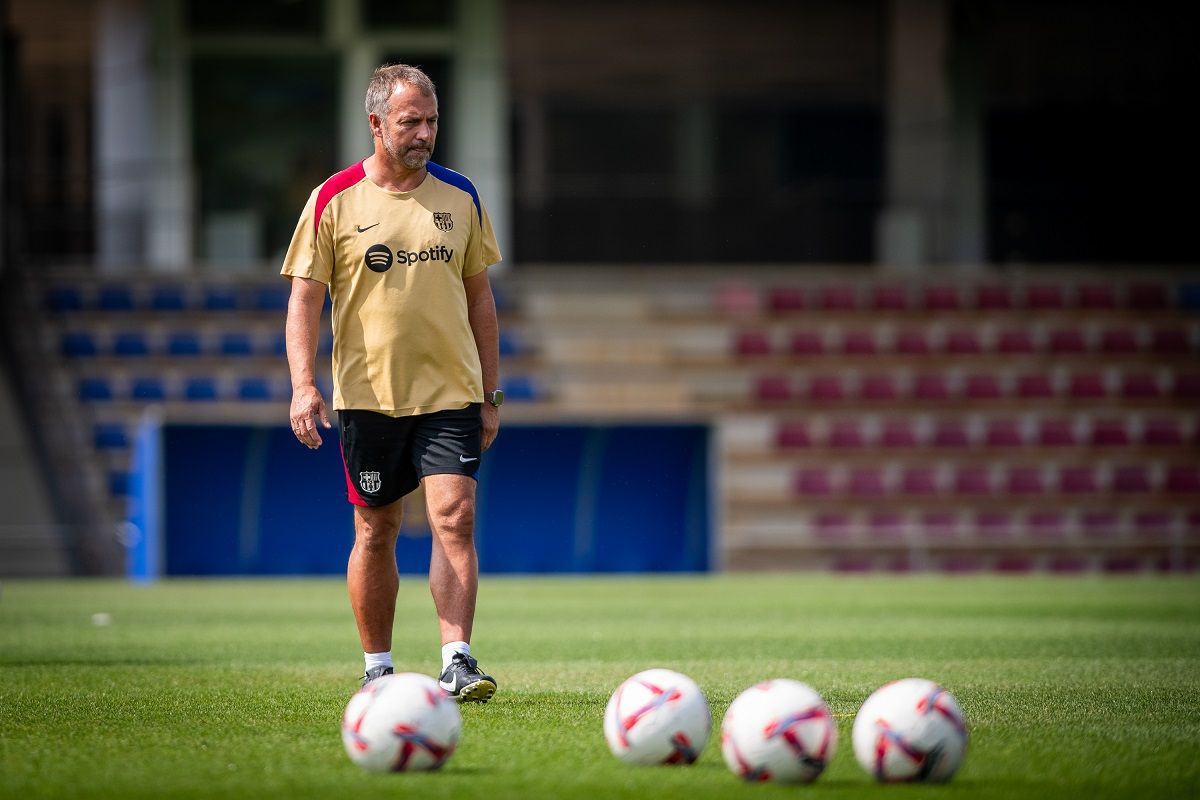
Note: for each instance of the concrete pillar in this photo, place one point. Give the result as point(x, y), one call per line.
point(171, 212)
point(480, 130)
point(934, 212)
point(123, 132)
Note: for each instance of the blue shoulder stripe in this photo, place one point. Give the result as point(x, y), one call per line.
point(457, 180)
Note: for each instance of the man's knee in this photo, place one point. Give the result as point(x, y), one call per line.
point(377, 528)
point(454, 517)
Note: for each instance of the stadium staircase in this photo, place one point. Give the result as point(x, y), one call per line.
point(1047, 423)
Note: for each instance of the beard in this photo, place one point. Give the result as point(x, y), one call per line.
point(410, 157)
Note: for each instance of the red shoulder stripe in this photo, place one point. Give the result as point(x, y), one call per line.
point(333, 186)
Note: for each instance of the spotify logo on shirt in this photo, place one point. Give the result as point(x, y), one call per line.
point(379, 257)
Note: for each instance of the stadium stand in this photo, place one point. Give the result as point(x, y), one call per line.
point(861, 423)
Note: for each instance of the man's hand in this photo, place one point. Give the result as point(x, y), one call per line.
point(307, 407)
point(491, 423)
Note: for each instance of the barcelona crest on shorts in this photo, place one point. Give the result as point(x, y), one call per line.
point(369, 481)
point(443, 221)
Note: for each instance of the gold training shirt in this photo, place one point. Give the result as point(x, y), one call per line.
point(394, 263)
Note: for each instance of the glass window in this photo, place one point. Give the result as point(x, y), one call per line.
point(284, 17)
point(398, 14)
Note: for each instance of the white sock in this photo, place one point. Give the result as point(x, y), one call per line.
point(450, 648)
point(383, 659)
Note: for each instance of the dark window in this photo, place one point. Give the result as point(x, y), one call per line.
point(238, 17)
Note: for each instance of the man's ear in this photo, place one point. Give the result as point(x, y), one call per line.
point(375, 123)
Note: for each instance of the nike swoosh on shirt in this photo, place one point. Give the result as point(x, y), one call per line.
point(466, 460)
point(361, 229)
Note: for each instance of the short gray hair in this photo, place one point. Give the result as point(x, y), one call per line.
point(383, 84)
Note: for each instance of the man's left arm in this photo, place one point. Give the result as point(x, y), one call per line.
point(481, 313)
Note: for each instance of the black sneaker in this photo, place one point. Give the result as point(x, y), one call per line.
point(462, 680)
point(375, 672)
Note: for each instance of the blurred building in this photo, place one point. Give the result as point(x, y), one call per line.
point(173, 133)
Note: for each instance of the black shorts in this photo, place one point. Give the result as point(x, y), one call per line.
point(386, 457)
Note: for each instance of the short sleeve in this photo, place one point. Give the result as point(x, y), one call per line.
point(482, 250)
point(310, 254)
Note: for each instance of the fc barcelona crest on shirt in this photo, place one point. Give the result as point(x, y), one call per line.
point(369, 481)
point(443, 221)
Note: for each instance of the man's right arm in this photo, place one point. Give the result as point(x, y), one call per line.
point(301, 334)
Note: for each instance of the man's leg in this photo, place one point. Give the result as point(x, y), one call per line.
point(454, 581)
point(371, 574)
point(454, 565)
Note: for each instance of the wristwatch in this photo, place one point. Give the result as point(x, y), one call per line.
point(495, 397)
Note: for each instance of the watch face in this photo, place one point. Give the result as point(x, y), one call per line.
point(496, 398)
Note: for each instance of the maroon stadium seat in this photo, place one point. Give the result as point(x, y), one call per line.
point(1131, 479)
point(831, 525)
point(1147, 296)
point(882, 386)
point(951, 432)
point(941, 298)
point(752, 343)
point(885, 525)
point(1187, 385)
point(839, 298)
point(859, 343)
point(1152, 524)
point(993, 524)
point(1140, 385)
point(984, 386)
point(813, 481)
point(1025, 480)
point(1045, 296)
point(1100, 524)
point(807, 343)
point(962, 341)
point(1047, 524)
point(793, 434)
point(994, 297)
point(1110, 432)
point(827, 389)
point(931, 386)
point(1068, 340)
point(1056, 432)
point(972, 479)
point(939, 525)
point(913, 341)
point(847, 433)
point(1170, 341)
point(1119, 340)
point(1016, 340)
point(919, 481)
point(1077, 480)
point(899, 433)
point(1004, 433)
point(786, 298)
point(773, 389)
point(1163, 432)
point(867, 482)
point(1035, 385)
point(1097, 296)
point(890, 298)
point(1183, 479)
point(1087, 386)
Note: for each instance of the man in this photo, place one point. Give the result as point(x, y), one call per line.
point(403, 246)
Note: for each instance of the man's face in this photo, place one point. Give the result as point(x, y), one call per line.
point(409, 130)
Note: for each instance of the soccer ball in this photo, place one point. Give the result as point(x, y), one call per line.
point(657, 717)
point(910, 730)
point(399, 723)
point(780, 730)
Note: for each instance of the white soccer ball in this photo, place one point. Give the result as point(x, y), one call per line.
point(401, 722)
point(780, 730)
point(657, 717)
point(910, 730)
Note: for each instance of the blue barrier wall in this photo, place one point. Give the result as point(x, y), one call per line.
point(243, 500)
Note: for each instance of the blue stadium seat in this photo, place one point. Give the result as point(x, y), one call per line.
point(169, 297)
point(510, 345)
point(279, 344)
point(131, 343)
point(236, 343)
point(64, 298)
point(109, 436)
point(257, 389)
point(220, 298)
point(118, 483)
point(1189, 296)
point(115, 297)
point(200, 389)
point(272, 298)
point(325, 345)
point(76, 344)
point(520, 388)
point(95, 388)
point(148, 388)
point(183, 343)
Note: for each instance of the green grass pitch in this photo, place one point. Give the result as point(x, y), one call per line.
point(1079, 687)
